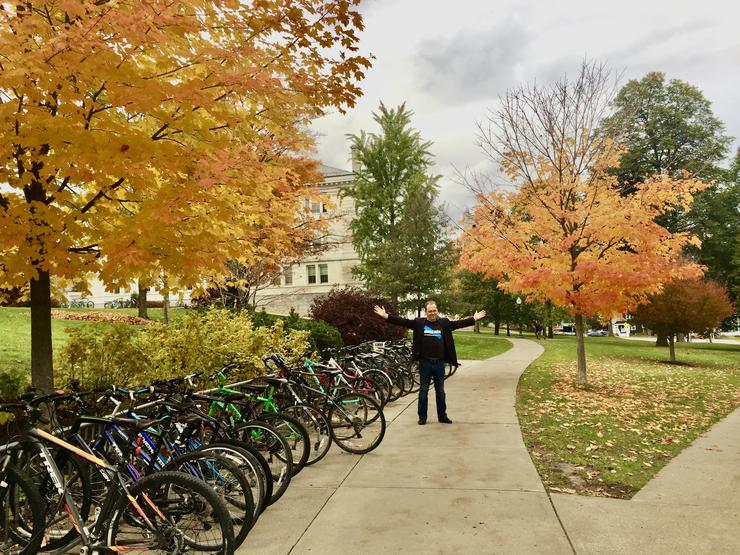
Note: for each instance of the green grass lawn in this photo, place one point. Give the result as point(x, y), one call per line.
point(15, 331)
point(636, 414)
point(477, 346)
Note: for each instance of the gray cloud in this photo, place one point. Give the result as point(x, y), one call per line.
point(472, 64)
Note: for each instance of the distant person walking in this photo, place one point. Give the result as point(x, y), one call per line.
point(432, 346)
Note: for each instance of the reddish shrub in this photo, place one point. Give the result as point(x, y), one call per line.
point(350, 310)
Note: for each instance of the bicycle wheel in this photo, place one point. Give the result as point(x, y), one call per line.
point(397, 390)
point(294, 433)
point(76, 480)
point(224, 476)
point(186, 515)
point(357, 423)
point(367, 386)
point(21, 513)
point(252, 464)
point(414, 370)
point(276, 452)
point(317, 427)
point(382, 382)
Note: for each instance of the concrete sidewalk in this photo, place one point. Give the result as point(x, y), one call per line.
point(470, 487)
point(467, 487)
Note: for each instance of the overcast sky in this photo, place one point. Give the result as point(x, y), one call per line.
point(449, 61)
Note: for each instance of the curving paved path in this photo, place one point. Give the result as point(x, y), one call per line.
point(467, 487)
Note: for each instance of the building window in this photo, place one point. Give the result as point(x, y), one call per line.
point(316, 208)
point(311, 270)
point(288, 275)
point(324, 273)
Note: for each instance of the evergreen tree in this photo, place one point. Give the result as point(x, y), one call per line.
point(398, 231)
point(413, 264)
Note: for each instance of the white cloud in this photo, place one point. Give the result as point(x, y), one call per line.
point(450, 61)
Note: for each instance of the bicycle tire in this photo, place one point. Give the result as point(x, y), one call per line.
point(256, 465)
point(382, 381)
point(158, 487)
point(27, 536)
point(317, 427)
point(294, 433)
point(355, 413)
point(74, 472)
point(225, 477)
point(276, 452)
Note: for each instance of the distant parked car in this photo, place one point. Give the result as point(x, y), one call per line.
point(597, 333)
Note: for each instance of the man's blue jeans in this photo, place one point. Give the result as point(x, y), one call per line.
point(429, 371)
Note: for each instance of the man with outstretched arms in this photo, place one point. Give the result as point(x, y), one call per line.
point(433, 346)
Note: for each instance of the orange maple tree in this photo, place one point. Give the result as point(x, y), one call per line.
point(148, 136)
point(565, 234)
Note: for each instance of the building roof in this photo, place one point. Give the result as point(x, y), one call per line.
point(329, 171)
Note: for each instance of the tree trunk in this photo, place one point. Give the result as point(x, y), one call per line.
point(662, 340)
point(550, 332)
point(672, 348)
point(508, 330)
point(581, 350)
point(496, 326)
point(141, 300)
point(166, 307)
point(42, 368)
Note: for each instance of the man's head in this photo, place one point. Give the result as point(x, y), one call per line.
point(432, 312)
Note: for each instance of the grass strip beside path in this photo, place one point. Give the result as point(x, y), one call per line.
point(636, 414)
point(479, 346)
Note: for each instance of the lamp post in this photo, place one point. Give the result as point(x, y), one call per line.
point(519, 313)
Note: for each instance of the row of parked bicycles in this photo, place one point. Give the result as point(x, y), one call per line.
point(84, 302)
point(175, 468)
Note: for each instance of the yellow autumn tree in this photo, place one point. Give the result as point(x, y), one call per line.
point(562, 232)
point(159, 133)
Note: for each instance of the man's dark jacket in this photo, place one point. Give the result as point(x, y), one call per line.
point(447, 326)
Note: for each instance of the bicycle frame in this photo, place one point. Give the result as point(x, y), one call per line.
point(90, 538)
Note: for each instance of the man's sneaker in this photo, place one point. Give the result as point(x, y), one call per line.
point(445, 420)
point(422, 421)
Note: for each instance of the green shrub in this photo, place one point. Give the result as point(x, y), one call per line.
point(12, 383)
point(199, 342)
point(323, 336)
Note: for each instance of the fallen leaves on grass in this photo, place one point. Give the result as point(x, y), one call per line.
point(625, 426)
point(111, 317)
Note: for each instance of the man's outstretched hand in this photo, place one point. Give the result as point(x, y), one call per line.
point(380, 311)
point(479, 314)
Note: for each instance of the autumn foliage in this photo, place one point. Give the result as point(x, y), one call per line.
point(142, 138)
point(684, 306)
point(350, 310)
point(565, 234)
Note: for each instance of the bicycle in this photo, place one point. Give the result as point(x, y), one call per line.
point(151, 514)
